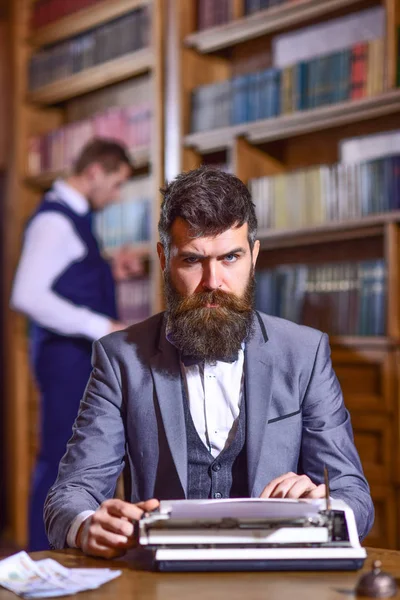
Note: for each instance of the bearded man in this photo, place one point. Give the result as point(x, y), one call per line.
point(210, 399)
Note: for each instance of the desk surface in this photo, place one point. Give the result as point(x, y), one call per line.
point(141, 585)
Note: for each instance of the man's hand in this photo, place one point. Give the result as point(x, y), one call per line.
point(108, 533)
point(293, 486)
point(128, 262)
point(116, 326)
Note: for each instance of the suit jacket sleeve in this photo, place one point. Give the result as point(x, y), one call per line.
point(89, 470)
point(328, 440)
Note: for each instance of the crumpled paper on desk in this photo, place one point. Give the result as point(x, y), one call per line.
point(47, 578)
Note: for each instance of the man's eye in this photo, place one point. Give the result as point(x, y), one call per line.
point(230, 258)
point(191, 260)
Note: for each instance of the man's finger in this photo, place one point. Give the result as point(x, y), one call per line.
point(318, 492)
point(149, 505)
point(272, 484)
point(104, 551)
point(282, 489)
point(119, 508)
point(300, 488)
point(107, 538)
point(119, 525)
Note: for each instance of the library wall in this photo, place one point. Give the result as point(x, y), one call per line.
point(5, 107)
point(268, 90)
point(300, 100)
point(83, 69)
point(5, 86)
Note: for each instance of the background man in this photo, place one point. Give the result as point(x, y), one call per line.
point(66, 288)
point(210, 399)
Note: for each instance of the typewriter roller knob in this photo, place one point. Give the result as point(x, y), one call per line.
point(376, 583)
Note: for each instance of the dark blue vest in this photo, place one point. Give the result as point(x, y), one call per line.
point(87, 283)
point(224, 476)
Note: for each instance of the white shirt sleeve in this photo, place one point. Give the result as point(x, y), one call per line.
point(75, 525)
point(51, 245)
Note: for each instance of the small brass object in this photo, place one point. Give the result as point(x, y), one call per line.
point(376, 583)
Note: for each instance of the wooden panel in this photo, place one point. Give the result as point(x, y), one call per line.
point(367, 378)
point(237, 9)
point(373, 435)
point(392, 255)
point(396, 422)
point(249, 161)
point(384, 530)
point(392, 25)
point(190, 159)
point(312, 148)
point(5, 86)
point(17, 373)
point(363, 248)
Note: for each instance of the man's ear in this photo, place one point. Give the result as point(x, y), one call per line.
point(161, 256)
point(93, 171)
point(254, 254)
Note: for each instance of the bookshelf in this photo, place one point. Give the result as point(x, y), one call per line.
point(367, 366)
point(265, 21)
point(141, 159)
point(38, 113)
point(112, 71)
point(287, 126)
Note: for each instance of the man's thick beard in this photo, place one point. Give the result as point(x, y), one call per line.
point(209, 334)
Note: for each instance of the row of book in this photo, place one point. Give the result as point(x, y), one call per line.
point(132, 92)
point(349, 74)
point(57, 150)
point(128, 221)
point(253, 6)
point(338, 298)
point(134, 300)
point(212, 14)
point(323, 194)
point(121, 36)
point(48, 11)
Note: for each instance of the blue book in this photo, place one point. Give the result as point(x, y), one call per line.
point(269, 93)
point(300, 85)
point(253, 96)
point(344, 75)
point(240, 99)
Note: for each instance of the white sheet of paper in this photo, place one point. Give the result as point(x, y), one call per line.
point(241, 508)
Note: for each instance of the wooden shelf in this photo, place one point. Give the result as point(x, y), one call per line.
point(44, 180)
point(141, 158)
point(83, 20)
point(297, 123)
point(265, 21)
point(362, 341)
point(370, 226)
point(94, 78)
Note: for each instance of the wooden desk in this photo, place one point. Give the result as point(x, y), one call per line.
point(141, 585)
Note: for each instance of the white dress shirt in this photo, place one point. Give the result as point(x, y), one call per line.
point(215, 393)
point(51, 246)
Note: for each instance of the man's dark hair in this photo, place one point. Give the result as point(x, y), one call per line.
point(108, 153)
point(210, 201)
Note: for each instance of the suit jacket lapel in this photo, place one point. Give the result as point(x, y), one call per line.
point(167, 380)
point(258, 382)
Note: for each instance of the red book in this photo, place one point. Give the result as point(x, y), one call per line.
point(359, 71)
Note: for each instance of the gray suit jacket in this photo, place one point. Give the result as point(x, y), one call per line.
point(132, 410)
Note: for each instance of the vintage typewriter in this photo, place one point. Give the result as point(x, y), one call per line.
point(252, 535)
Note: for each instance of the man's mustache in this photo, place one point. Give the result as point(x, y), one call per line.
point(223, 300)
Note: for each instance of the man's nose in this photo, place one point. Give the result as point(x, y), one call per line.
point(211, 276)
